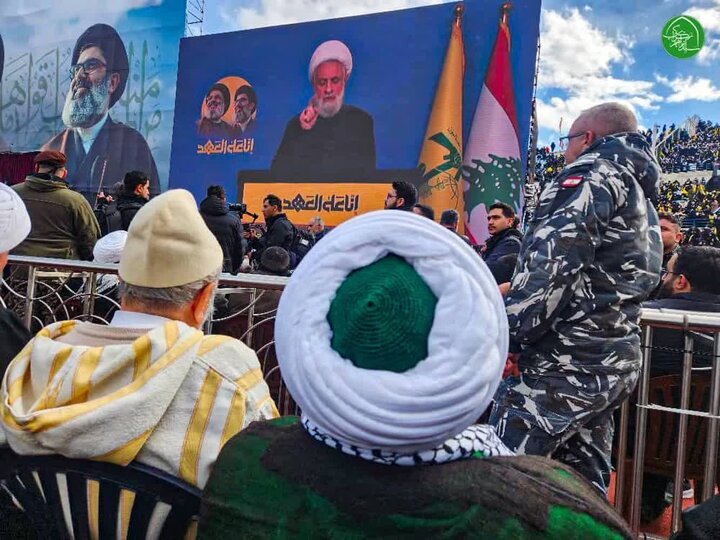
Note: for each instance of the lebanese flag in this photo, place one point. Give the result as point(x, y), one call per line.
point(492, 168)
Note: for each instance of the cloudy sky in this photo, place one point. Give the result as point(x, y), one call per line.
point(591, 51)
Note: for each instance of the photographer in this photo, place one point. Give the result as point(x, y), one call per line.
point(225, 225)
point(280, 231)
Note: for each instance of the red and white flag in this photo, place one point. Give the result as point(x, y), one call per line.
point(492, 168)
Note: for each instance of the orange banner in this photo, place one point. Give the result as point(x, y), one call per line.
point(334, 203)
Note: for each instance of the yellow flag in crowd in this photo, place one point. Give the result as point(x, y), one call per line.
point(441, 155)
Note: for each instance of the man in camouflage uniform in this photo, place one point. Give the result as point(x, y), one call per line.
point(591, 255)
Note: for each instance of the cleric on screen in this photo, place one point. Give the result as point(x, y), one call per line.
point(329, 139)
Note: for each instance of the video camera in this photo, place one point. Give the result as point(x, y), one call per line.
point(241, 208)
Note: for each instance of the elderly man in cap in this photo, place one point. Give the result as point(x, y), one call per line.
point(99, 149)
point(63, 223)
point(390, 386)
point(14, 227)
point(150, 387)
point(217, 102)
point(329, 139)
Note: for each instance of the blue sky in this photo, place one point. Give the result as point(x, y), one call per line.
point(591, 51)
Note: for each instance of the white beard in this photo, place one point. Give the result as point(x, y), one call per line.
point(89, 109)
point(328, 109)
point(214, 116)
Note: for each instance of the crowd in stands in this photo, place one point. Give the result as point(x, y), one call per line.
point(681, 151)
point(402, 350)
point(696, 205)
point(678, 150)
point(548, 163)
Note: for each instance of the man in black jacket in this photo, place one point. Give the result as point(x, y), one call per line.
point(225, 225)
point(689, 284)
point(450, 219)
point(134, 195)
point(14, 227)
point(280, 231)
point(402, 196)
point(504, 239)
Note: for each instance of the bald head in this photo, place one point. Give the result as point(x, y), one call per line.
point(608, 118)
point(597, 122)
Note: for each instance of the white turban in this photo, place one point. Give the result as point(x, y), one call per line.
point(14, 219)
point(331, 50)
point(109, 248)
point(441, 395)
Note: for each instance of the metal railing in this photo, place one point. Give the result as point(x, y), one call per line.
point(690, 323)
point(42, 291)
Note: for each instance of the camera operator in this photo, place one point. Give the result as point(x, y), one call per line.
point(280, 231)
point(226, 226)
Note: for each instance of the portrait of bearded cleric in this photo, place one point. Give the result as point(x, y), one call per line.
point(99, 149)
point(217, 103)
point(329, 139)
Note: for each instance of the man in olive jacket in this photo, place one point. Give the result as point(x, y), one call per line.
point(63, 223)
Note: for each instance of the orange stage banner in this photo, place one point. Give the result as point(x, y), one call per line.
point(334, 203)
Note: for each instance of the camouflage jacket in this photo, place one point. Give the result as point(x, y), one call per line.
point(273, 480)
point(591, 255)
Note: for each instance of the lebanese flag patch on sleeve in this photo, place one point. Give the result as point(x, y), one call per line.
point(572, 181)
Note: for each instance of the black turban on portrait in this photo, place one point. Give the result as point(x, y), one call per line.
point(108, 40)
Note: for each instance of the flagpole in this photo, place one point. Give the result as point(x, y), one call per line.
point(440, 160)
point(505, 10)
point(459, 12)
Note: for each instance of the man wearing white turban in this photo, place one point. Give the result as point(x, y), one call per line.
point(392, 358)
point(329, 139)
point(14, 227)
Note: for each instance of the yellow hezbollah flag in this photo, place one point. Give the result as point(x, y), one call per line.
point(441, 155)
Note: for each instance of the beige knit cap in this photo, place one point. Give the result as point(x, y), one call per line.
point(168, 244)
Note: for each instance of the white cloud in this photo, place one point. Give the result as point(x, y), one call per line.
point(690, 88)
point(275, 12)
point(708, 17)
point(578, 59)
point(710, 52)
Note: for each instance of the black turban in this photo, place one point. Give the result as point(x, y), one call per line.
point(220, 87)
point(108, 40)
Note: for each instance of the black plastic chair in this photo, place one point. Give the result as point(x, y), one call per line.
point(33, 482)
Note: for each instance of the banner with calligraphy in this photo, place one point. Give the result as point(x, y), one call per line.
point(334, 203)
point(96, 82)
point(340, 101)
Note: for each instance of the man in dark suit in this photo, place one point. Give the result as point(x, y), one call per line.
point(99, 150)
point(329, 139)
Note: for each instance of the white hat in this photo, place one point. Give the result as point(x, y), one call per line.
point(14, 219)
point(415, 407)
point(331, 50)
point(168, 244)
point(110, 247)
